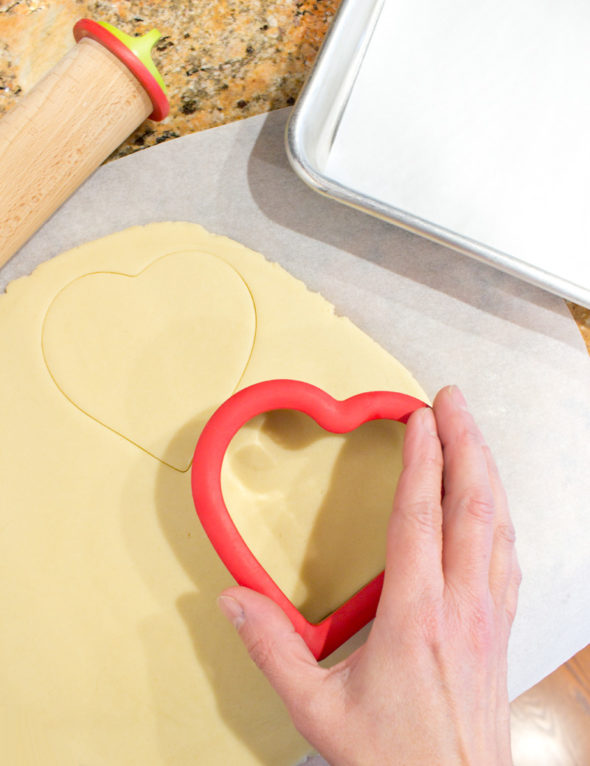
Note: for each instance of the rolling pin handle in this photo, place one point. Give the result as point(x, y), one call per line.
point(72, 120)
point(135, 53)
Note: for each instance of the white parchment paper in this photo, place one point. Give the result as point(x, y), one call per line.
point(514, 349)
point(472, 116)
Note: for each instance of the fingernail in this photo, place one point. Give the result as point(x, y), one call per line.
point(232, 609)
point(458, 397)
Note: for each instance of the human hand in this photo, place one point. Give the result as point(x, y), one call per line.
point(429, 685)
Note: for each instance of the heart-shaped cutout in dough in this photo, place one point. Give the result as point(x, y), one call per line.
point(151, 355)
point(331, 414)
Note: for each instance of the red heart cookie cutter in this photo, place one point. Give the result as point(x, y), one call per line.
point(332, 415)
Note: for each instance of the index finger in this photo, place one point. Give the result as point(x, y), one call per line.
point(469, 505)
point(414, 535)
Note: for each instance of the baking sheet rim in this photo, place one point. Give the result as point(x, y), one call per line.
point(301, 152)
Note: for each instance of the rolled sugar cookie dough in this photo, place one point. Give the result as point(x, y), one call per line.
point(113, 355)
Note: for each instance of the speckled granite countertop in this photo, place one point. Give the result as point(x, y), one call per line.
point(222, 60)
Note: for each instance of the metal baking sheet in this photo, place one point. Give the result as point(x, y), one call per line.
point(464, 122)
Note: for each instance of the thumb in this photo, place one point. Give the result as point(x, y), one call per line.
point(274, 645)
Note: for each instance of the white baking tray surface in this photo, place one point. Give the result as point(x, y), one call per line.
point(466, 122)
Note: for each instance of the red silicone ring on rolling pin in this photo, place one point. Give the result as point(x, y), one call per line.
point(93, 30)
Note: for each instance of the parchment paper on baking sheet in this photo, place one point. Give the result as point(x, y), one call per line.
point(472, 116)
point(514, 349)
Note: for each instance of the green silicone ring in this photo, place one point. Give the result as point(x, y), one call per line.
point(141, 47)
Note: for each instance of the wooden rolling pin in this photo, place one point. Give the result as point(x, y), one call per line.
point(79, 113)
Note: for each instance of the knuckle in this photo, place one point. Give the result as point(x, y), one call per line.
point(260, 651)
point(506, 533)
point(432, 462)
point(479, 506)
